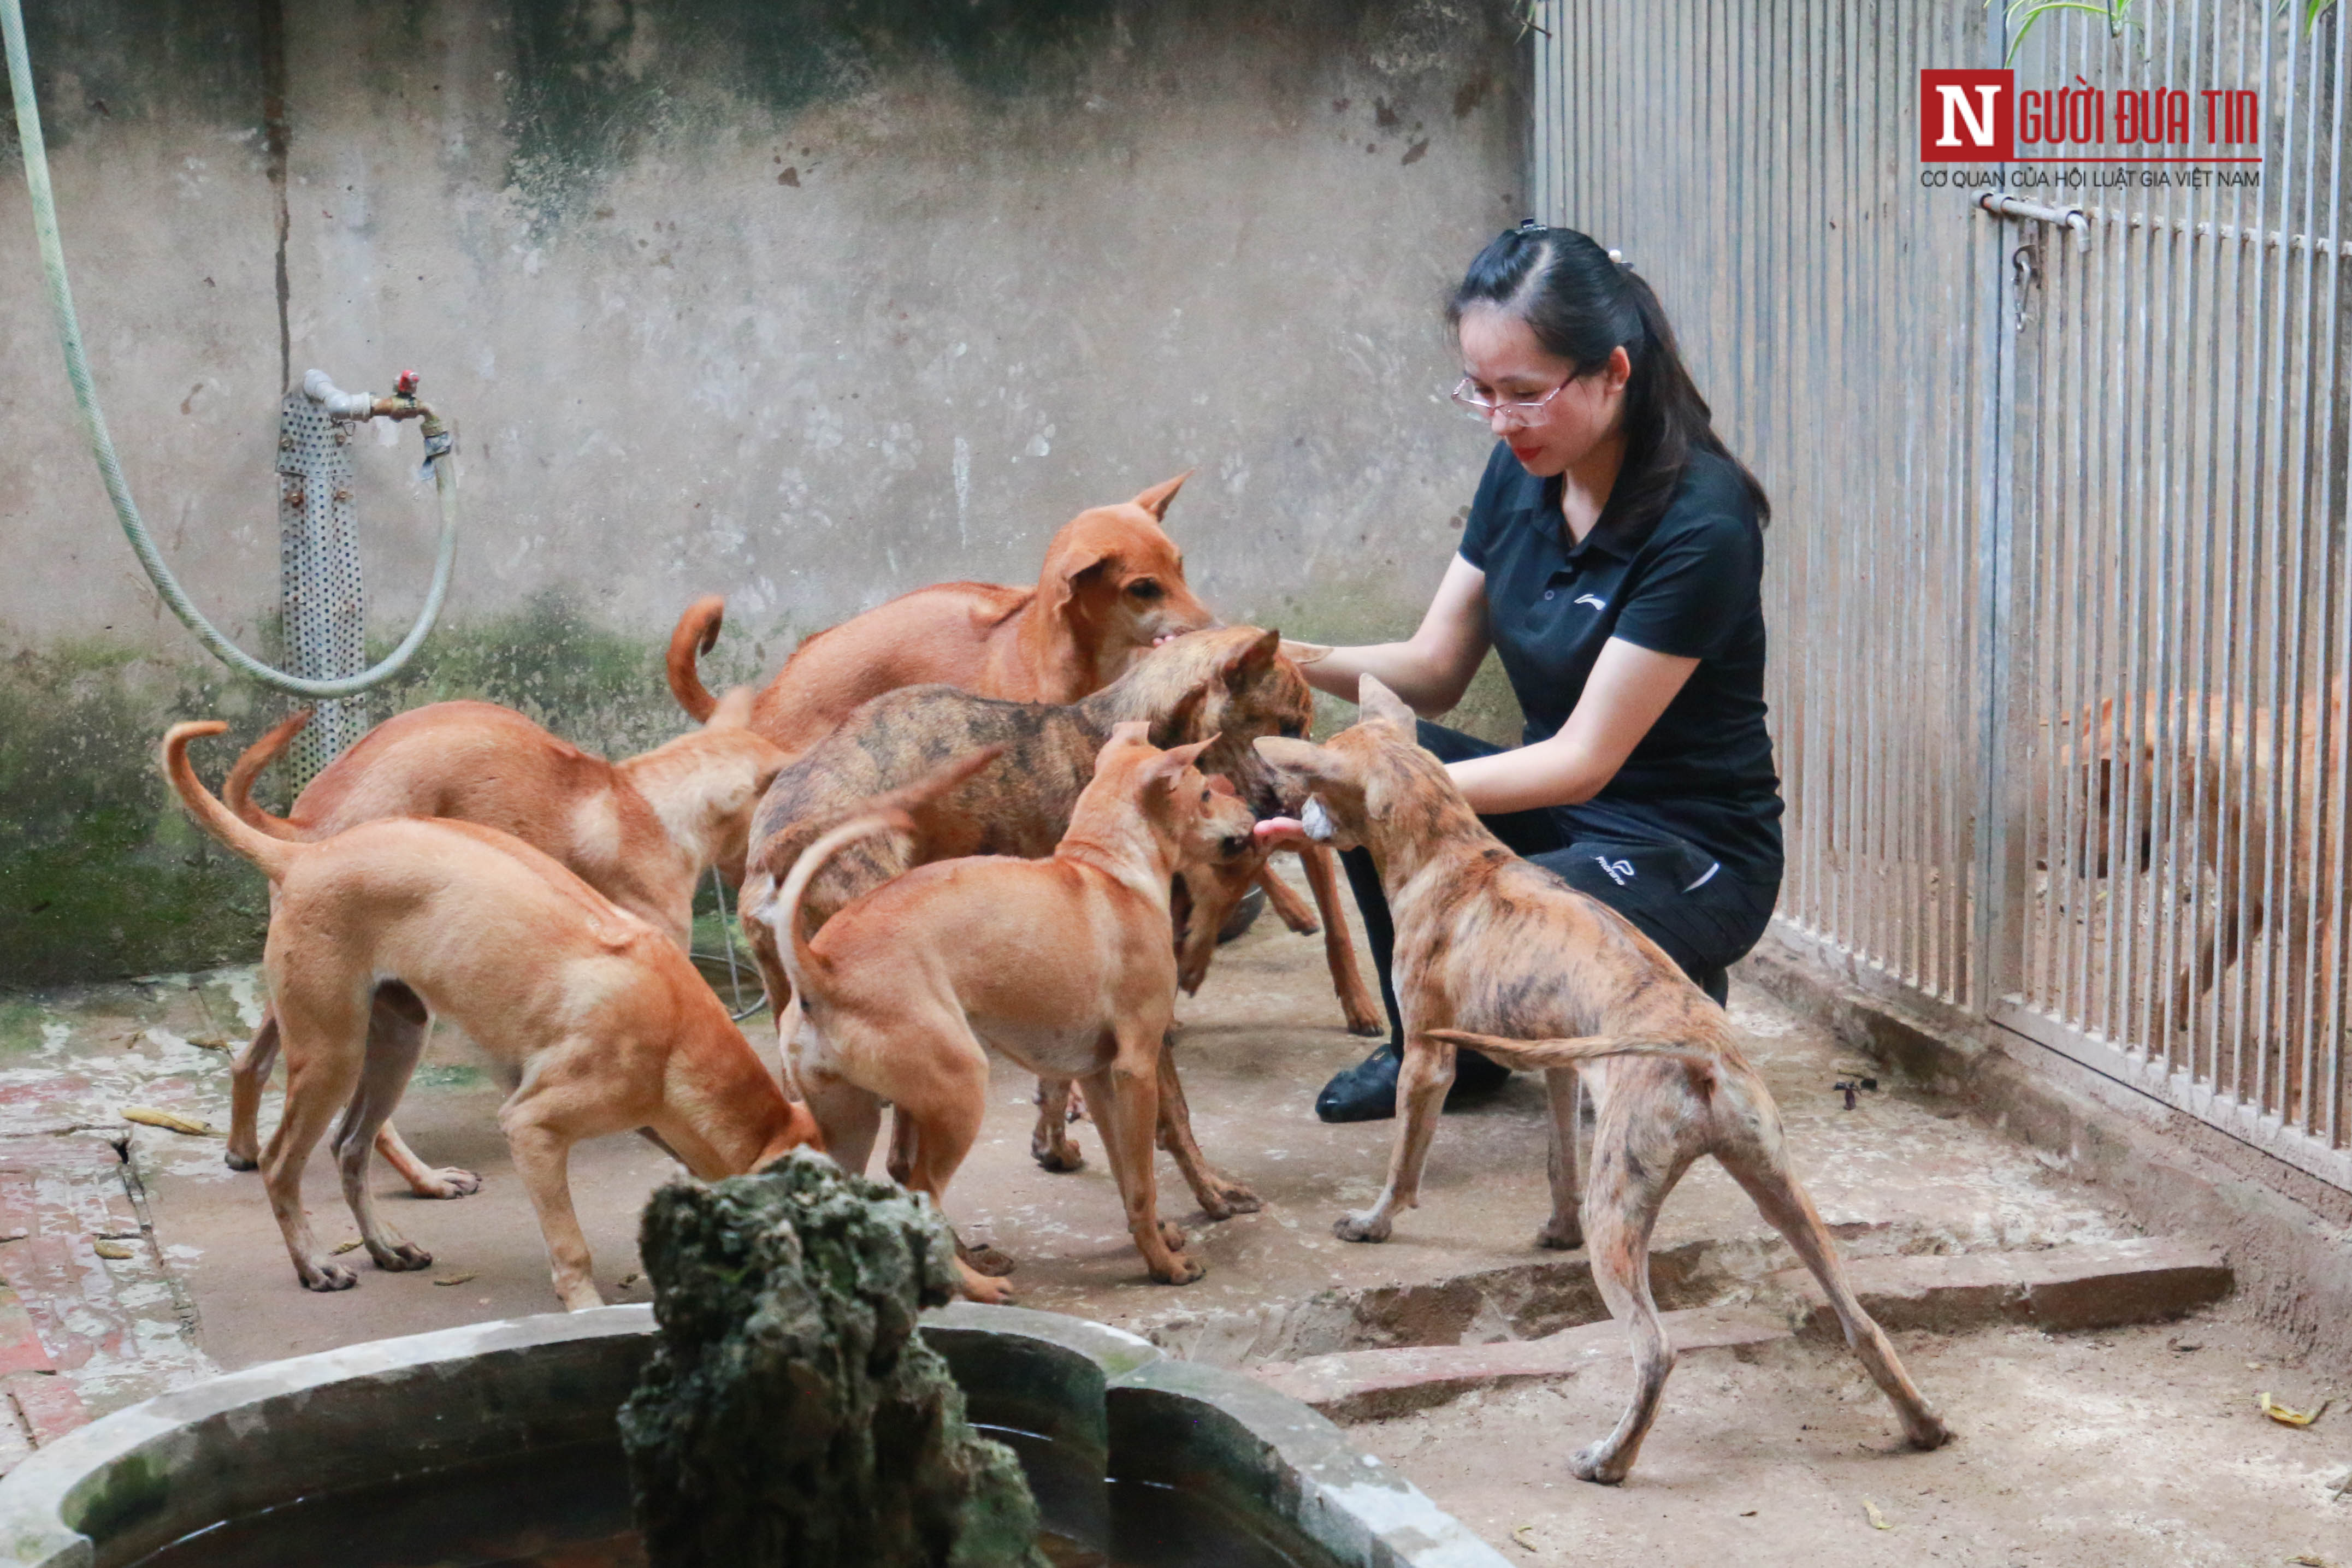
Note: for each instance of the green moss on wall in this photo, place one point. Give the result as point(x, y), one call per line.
point(101, 875)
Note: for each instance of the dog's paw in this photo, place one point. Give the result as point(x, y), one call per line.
point(1369, 1226)
point(1172, 1237)
point(401, 1258)
point(1371, 1026)
point(327, 1277)
point(1596, 1465)
point(1057, 1154)
point(446, 1182)
point(987, 1260)
point(238, 1160)
point(579, 1297)
point(1180, 1271)
point(1224, 1199)
point(1925, 1429)
point(1560, 1237)
point(988, 1292)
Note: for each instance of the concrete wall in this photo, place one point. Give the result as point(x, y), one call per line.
point(805, 301)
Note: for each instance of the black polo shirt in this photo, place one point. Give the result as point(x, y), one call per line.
point(1690, 585)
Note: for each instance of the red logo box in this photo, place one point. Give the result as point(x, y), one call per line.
point(1967, 117)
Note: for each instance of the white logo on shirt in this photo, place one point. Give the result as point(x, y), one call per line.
point(1620, 872)
point(1594, 600)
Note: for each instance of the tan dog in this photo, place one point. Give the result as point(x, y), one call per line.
point(1113, 583)
point(1063, 964)
point(641, 833)
point(1230, 682)
point(2194, 792)
point(598, 1021)
point(1486, 942)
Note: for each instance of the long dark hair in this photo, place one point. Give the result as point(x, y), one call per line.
point(1582, 305)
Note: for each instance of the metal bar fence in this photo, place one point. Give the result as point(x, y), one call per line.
point(2058, 579)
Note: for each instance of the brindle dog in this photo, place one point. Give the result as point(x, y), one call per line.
point(1231, 683)
point(1487, 942)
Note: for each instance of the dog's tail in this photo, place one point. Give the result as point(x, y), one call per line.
point(274, 856)
point(891, 813)
point(697, 633)
point(1535, 1055)
point(237, 789)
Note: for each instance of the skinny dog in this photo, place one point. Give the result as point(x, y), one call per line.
point(1230, 683)
point(1113, 583)
point(1064, 963)
point(1486, 942)
point(641, 831)
point(598, 1021)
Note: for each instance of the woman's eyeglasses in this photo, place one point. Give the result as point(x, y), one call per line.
point(1524, 410)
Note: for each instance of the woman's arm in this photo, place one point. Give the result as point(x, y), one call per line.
point(1629, 686)
point(1433, 668)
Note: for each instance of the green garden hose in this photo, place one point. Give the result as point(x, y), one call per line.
point(101, 447)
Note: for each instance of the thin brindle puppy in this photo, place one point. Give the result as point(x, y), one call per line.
point(1497, 954)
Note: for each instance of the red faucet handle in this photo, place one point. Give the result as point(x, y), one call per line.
point(405, 386)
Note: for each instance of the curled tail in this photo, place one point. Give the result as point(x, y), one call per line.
point(274, 856)
point(697, 633)
point(1535, 1055)
point(237, 789)
point(890, 813)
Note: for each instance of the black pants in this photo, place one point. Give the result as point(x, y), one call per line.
point(1674, 892)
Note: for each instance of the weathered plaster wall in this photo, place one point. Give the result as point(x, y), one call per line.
point(805, 301)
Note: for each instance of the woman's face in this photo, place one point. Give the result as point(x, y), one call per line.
point(1507, 364)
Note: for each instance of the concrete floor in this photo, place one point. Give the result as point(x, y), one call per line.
point(1897, 1173)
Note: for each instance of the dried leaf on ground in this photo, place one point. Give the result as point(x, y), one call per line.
point(208, 1042)
point(342, 1247)
point(2311, 1560)
point(2286, 1418)
point(1877, 1519)
point(113, 1249)
point(1519, 1537)
point(170, 1120)
point(454, 1279)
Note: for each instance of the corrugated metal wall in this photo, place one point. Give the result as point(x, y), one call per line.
point(2060, 604)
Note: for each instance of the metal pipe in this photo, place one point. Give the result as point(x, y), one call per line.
point(2001, 206)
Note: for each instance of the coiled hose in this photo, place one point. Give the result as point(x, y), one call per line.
point(101, 446)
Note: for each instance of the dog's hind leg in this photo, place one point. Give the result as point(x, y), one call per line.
point(423, 1180)
point(1365, 1016)
point(540, 1126)
point(1635, 1164)
point(947, 1105)
point(326, 1044)
point(1753, 1153)
point(397, 1025)
point(1125, 1098)
point(1220, 1196)
point(1564, 1231)
point(247, 1079)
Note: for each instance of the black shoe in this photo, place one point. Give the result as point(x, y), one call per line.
point(1367, 1092)
point(1244, 915)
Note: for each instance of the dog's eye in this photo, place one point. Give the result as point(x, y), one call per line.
point(1144, 587)
point(1293, 730)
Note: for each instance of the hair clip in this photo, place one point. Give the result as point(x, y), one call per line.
point(1530, 226)
point(1618, 257)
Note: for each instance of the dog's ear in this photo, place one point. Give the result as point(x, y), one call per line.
point(1184, 717)
point(1076, 574)
point(1302, 757)
point(1381, 706)
point(1168, 767)
point(1155, 500)
point(1221, 785)
point(1248, 664)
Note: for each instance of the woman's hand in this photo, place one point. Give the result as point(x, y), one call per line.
point(1281, 833)
point(1431, 670)
point(1629, 686)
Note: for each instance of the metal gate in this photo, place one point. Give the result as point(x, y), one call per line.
point(2058, 583)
